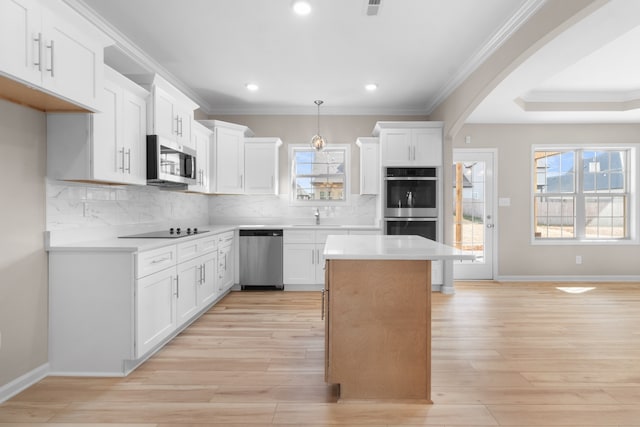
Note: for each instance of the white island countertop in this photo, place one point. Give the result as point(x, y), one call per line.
point(386, 247)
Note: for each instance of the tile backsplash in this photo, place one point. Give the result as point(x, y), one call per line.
point(269, 209)
point(94, 210)
point(79, 205)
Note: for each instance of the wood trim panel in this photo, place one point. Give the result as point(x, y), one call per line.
point(379, 329)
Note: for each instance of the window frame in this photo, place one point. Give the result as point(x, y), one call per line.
point(293, 201)
point(632, 188)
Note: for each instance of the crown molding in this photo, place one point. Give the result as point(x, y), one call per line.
point(131, 50)
point(526, 11)
point(312, 111)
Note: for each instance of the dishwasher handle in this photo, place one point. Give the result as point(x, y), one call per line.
point(261, 232)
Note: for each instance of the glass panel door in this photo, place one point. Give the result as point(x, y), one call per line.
point(473, 223)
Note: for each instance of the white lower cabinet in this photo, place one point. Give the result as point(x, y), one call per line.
point(300, 265)
point(208, 290)
point(187, 290)
point(225, 262)
point(303, 262)
point(110, 310)
point(155, 309)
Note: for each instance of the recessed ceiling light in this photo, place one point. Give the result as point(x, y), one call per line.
point(301, 7)
point(252, 87)
point(371, 87)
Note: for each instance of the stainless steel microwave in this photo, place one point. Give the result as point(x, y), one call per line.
point(169, 163)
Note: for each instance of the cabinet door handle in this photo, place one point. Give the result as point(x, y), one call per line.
point(51, 47)
point(322, 308)
point(180, 128)
point(38, 61)
point(409, 147)
point(121, 152)
point(177, 287)
point(128, 161)
point(241, 181)
point(204, 273)
point(177, 131)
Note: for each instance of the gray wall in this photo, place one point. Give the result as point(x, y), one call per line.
point(23, 260)
point(300, 129)
point(517, 256)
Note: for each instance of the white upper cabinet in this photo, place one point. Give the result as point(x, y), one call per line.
point(369, 165)
point(48, 46)
point(229, 160)
point(20, 26)
point(261, 165)
point(201, 138)
point(226, 157)
point(169, 112)
point(410, 143)
point(109, 146)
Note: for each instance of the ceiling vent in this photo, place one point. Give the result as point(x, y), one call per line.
point(373, 7)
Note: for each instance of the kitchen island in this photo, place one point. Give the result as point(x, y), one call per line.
point(377, 308)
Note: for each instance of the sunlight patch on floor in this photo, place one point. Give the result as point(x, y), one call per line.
point(575, 289)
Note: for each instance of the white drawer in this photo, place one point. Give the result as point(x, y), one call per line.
point(208, 244)
point(298, 236)
point(225, 239)
point(156, 260)
point(321, 235)
point(197, 247)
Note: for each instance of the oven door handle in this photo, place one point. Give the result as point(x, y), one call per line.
point(423, 219)
point(410, 178)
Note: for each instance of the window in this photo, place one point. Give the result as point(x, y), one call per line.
point(319, 177)
point(582, 194)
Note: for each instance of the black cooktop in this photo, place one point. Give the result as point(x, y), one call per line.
point(172, 233)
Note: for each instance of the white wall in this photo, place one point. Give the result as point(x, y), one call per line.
point(23, 260)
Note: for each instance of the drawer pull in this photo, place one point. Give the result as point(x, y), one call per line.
point(156, 261)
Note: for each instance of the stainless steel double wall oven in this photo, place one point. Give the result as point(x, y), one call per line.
point(411, 201)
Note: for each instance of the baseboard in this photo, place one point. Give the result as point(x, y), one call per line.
point(568, 278)
point(23, 382)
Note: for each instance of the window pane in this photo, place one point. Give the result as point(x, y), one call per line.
point(604, 171)
point(604, 217)
point(555, 217)
point(319, 175)
point(555, 171)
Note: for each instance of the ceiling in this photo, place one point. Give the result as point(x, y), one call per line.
point(588, 74)
point(416, 51)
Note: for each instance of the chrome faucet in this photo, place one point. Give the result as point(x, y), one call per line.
point(317, 215)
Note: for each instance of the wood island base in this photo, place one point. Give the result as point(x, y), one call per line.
point(378, 328)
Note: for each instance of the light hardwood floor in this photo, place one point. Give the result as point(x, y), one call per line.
point(511, 354)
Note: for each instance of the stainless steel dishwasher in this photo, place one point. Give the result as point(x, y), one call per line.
point(261, 259)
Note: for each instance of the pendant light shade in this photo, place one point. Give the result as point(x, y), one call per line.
point(318, 142)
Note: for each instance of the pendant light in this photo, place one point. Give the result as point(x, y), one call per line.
point(318, 142)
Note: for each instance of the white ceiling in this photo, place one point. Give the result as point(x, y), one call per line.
point(588, 74)
point(417, 51)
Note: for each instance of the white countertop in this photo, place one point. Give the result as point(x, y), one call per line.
point(113, 243)
point(383, 247)
point(133, 244)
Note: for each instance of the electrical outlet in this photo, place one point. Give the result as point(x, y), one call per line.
point(578, 259)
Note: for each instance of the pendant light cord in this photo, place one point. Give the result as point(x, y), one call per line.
point(318, 103)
